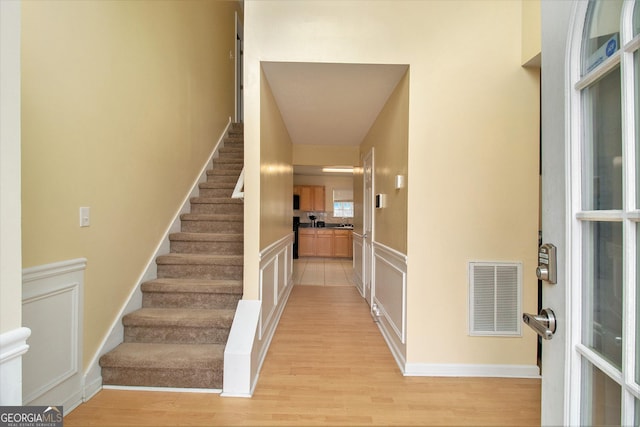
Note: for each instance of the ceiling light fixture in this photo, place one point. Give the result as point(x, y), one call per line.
point(338, 170)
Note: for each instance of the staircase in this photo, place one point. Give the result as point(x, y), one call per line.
point(177, 338)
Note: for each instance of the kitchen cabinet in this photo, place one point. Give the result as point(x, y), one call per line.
point(325, 242)
point(342, 244)
point(311, 197)
point(306, 242)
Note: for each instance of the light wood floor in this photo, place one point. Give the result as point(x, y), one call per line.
point(327, 365)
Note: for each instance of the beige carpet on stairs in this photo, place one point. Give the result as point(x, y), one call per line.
point(177, 338)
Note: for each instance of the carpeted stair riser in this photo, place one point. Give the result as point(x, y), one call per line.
point(207, 243)
point(178, 326)
point(204, 223)
point(235, 152)
point(216, 192)
point(200, 266)
point(203, 205)
point(176, 335)
point(164, 365)
point(200, 271)
point(192, 300)
point(223, 172)
point(216, 189)
point(235, 163)
point(174, 378)
point(218, 176)
point(197, 294)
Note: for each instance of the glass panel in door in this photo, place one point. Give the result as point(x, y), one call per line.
point(602, 289)
point(601, 37)
point(636, 19)
point(602, 162)
point(601, 398)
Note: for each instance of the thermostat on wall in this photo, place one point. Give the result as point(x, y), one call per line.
point(381, 201)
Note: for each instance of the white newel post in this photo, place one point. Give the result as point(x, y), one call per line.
point(13, 344)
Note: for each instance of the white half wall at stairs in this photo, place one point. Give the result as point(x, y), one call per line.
point(93, 375)
point(52, 301)
point(255, 321)
point(13, 345)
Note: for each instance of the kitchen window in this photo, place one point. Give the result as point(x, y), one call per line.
point(343, 203)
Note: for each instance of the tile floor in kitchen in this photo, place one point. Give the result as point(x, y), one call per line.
point(323, 271)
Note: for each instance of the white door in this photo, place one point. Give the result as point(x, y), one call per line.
point(367, 226)
point(590, 111)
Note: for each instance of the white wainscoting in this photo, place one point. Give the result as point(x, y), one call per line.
point(358, 263)
point(255, 322)
point(52, 300)
point(390, 298)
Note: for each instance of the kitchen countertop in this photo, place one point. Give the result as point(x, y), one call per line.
point(327, 225)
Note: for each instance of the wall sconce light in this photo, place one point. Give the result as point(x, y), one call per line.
point(399, 181)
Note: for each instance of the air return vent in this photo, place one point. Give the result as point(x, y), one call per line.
point(494, 298)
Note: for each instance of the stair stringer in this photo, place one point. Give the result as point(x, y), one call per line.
point(93, 374)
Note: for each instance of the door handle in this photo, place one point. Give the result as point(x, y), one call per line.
point(544, 323)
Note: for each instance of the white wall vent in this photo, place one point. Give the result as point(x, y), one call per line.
point(495, 291)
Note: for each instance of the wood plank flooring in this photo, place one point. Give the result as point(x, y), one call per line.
point(328, 365)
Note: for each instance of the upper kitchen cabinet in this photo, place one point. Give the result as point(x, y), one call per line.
point(311, 197)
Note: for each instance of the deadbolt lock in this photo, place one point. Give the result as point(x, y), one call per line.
point(547, 265)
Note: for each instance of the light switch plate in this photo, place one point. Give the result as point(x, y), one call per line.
point(85, 217)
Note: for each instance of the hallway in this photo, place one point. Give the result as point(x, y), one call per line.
point(328, 364)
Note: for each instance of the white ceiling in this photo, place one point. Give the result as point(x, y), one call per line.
point(330, 104)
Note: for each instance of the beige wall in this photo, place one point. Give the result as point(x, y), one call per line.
point(473, 135)
point(276, 171)
point(121, 105)
point(388, 137)
point(531, 32)
point(325, 155)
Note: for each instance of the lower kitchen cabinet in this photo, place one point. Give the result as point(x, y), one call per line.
point(324, 242)
point(306, 242)
point(342, 246)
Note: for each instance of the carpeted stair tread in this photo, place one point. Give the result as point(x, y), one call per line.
point(193, 286)
point(163, 356)
point(223, 172)
point(199, 259)
point(217, 200)
point(180, 317)
point(231, 150)
point(207, 237)
point(216, 184)
point(228, 160)
point(211, 217)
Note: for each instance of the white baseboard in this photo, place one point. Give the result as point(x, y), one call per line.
point(164, 389)
point(470, 370)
